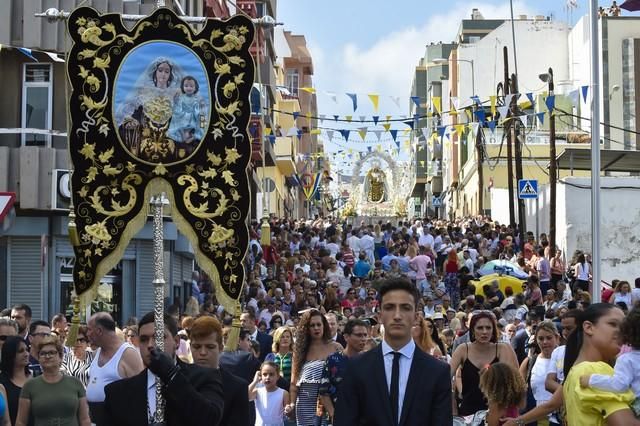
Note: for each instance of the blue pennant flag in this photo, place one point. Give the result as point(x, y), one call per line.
point(551, 102)
point(416, 100)
point(530, 97)
point(476, 99)
point(335, 117)
point(585, 90)
point(481, 115)
point(441, 130)
point(368, 149)
point(394, 134)
point(409, 123)
point(398, 144)
point(299, 133)
point(492, 125)
point(345, 134)
point(354, 99)
point(296, 114)
point(540, 116)
point(272, 139)
point(375, 119)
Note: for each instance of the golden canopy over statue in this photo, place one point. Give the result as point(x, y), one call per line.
point(375, 184)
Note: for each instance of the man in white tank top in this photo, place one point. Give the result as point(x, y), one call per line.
point(114, 360)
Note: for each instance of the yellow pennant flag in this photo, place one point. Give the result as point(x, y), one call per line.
point(374, 100)
point(421, 163)
point(349, 118)
point(437, 103)
point(388, 117)
point(308, 90)
point(308, 115)
point(267, 131)
point(407, 144)
point(469, 113)
point(386, 126)
point(459, 129)
point(493, 104)
point(420, 147)
point(316, 131)
point(379, 148)
point(362, 133)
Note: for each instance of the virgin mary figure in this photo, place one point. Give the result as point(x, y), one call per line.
point(145, 115)
point(375, 185)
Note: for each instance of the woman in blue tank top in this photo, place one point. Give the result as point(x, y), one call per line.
point(4, 413)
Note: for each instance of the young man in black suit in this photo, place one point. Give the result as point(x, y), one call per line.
point(192, 394)
point(248, 322)
point(395, 384)
point(206, 343)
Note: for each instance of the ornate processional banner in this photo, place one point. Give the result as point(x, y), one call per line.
point(160, 108)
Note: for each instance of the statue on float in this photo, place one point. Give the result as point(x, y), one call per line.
point(375, 185)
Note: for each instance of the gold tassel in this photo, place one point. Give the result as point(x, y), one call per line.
point(234, 334)
point(265, 232)
point(73, 231)
point(72, 335)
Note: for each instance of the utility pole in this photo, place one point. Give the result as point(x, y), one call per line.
point(480, 173)
point(552, 170)
point(518, 158)
point(508, 126)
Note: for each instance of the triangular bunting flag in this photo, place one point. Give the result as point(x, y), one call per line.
point(530, 97)
point(272, 139)
point(481, 115)
point(315, 131)
point(492, 125)
point(362, 118)
point(267, 131)
point(475, 99)
point(474, 128)
point(503, 111)
point(459, 128)
point(551, 102)
point(377, 133)
point(574, 95)
point(335, 117)
point(416, 100)
point(508, 98)
point(308, 90)
point(330, 134)
point(540, 116)
point(386, 126)
point(296, 114)
point(441, 130)
point(425, 132)
point(395, 100)
point(333, 96)
point(437, 103)
point(454, 102)
point(394, 134)
point(292, 131)
point(585, 90)
point(375, 119)
point(362, 131)
point(409, 123)
point(374, 100)
point(368, 149)
point(322, 117)
point(492, 99)
point(345, 134)
point(349, 118)
point(354, 100)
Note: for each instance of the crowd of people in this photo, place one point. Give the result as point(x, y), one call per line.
point(433, 341)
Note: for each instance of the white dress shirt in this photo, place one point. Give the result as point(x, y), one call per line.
point(405, 368)
point(151, 392)
point(625, 375)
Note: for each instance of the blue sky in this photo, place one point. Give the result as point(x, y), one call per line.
point(372, 46)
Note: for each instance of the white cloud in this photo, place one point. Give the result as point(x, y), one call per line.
point(386, 67)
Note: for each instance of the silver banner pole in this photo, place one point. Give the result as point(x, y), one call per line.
point(157, 204)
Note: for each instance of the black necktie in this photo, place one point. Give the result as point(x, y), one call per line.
point(395, 386)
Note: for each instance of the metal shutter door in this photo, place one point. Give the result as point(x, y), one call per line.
point(25, 276)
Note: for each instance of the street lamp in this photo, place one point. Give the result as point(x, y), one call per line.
point(444, 61)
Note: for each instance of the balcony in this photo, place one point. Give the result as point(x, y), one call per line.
point(255, 134)
point(285, 153)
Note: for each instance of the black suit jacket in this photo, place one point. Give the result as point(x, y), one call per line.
point(266, 342)
point(240, 363)
point(236, 400)
point(193, 398)
point(363, 397)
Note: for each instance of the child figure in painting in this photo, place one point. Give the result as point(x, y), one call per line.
point(189, 115)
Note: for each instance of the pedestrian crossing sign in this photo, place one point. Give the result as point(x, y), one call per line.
point(527, 188)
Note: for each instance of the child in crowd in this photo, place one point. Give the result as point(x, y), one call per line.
point(626, 373)
point(505, 390)
point(272, 402)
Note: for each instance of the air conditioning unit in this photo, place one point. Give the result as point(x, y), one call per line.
point(60, 189)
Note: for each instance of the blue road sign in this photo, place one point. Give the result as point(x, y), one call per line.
point(527, 188)
point(436, 201)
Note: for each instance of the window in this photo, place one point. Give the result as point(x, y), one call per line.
point(37, 94)
point(293, 81)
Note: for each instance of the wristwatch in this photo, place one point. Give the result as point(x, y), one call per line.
point(520, 422)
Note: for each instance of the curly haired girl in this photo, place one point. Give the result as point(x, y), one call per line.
point(505, 390)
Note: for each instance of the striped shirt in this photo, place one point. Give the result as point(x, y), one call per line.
point(284, 362)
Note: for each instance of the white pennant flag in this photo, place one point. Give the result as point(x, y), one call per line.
point(292, 131)
point(507, 99)
point(377, 133)
point(503, 110)
point(525, 120)
point(574, 95)
point(330, 134)
point(396, 100)
point(455, 102)
point(333, 96)
point(475, 128)
point(322, 117)
point(425, 132)
point(362, 117)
